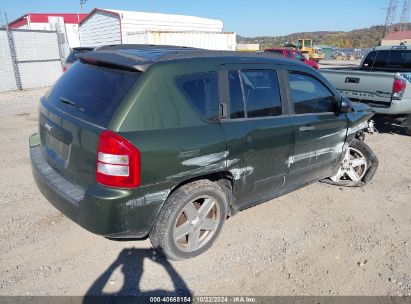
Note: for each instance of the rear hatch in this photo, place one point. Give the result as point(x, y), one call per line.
point(74, 113)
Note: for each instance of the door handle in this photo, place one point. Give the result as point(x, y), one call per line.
point(352, 80)
point(306, 128)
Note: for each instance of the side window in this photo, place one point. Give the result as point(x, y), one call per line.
point(369, 60)
point(201, 90)
point(262, 93)
point(236, 96)
point(381, 60)
point(309, 95)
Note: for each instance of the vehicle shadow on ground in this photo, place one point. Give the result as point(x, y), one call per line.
point(389, 125)
point(131, 263)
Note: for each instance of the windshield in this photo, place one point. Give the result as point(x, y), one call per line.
point(308, 43)
point(91, 93)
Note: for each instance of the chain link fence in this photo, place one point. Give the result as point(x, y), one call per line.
point(29, 58)
point(8, 81)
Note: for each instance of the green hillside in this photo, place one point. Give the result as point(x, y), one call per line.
point(362, 38)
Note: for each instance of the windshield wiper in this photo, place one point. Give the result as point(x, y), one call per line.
point(69, 102)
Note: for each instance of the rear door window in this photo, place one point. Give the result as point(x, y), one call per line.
point(201, 90)
point(262, 93)
point(91, 93)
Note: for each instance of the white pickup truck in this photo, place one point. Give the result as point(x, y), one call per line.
point(383, 81)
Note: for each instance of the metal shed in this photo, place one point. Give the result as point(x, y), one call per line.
point(105, 26)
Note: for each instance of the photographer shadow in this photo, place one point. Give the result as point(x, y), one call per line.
point(131, 262)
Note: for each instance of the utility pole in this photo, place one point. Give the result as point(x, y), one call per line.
point(391, 14)
point(405, 15)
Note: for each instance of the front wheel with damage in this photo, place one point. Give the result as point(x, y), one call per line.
point(190, 220)
point(358, 166)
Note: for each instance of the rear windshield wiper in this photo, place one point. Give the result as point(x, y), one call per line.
point(69, 102)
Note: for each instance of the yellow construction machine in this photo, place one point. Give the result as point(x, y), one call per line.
point(306, 46)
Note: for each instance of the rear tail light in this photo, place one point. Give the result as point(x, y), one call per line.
point(64, 69)
point(118, 162)
point(398, 88)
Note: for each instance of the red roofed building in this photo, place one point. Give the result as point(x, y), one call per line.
point(396, 38)
point(67, 23)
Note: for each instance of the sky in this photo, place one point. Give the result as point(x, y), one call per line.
point(245, 17)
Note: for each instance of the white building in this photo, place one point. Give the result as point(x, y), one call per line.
point(67, 24)
point(103, 26)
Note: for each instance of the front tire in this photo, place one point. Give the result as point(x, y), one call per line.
point(190, 220)
point(358, 167)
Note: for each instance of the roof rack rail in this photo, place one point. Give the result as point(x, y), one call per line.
point(399, 47)
point(142, 47)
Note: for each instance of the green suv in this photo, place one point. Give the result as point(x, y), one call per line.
point(168, 142)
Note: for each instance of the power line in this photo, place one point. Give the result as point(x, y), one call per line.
point(1, 20)
point(405, 15)
point(391, 15)
point(82, 2)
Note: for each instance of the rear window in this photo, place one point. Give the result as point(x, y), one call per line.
point(91, 93)
point(388, 59)
point(381, 61)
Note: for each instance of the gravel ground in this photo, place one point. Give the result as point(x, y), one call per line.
point(320, 240)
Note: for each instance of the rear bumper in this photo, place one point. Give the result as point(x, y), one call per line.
point(114, 213)
point(397, 107)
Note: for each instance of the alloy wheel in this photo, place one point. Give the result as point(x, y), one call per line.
point(196, 224)
point(353, 167)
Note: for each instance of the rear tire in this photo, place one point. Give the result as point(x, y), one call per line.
point(358, 167)
point(190, 221)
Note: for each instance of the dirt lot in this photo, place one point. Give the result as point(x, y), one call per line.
point(321, 240)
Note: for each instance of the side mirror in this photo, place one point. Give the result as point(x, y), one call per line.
point(345, 105)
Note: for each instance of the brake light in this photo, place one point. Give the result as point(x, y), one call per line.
point(398, 88)
point(64, 69)
point(118, 162)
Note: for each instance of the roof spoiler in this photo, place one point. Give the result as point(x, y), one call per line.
point(114, 60)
